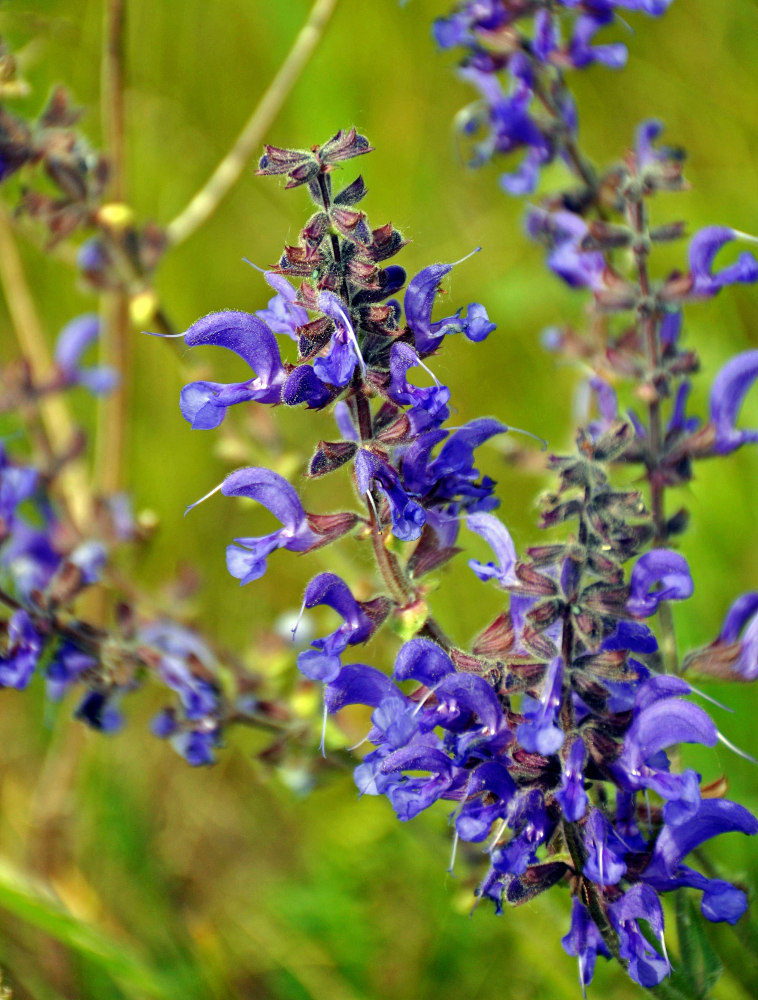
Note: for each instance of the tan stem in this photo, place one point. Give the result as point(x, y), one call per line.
point(227, 173)
point(56, 419)
point(116, 345)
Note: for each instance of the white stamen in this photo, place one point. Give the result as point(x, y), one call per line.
point(745, 237)
point(358, 744)
point(372, 505)
point(429, 371)
point(163, 336)
point(662, 939)
point(735, 749)
point(296, 626)
point(457, 262)
point(262, 270)
point(426, 697)
point(209, 494)
point(520, 430)
point(452, 856)
point(713, 701)
point(322, 745)
point(498, 835)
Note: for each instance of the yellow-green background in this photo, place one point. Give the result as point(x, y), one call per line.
point(220, 883)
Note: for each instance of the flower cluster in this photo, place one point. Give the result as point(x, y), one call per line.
point(531, 46)
point(356, 345)
point(551, 733)
point(47, 562)
point(598, 237)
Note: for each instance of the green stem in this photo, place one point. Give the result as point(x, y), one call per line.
point(227, 173)
point(649, 324)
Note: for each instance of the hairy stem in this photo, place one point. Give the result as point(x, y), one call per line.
point(227, 173)
point(649, 324)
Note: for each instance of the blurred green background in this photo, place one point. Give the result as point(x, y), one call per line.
point(123, 872)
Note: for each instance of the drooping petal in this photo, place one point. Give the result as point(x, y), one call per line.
point(269, 489)
point(539, 733)
point(358, 684)
point(303, 386)
point(329, 589)
point(703, 249)
point(584, 941)
point(714, 816)
point(646, 966)
point(739, 614)
point(494, 532)
point(729, 390)
point(73, 340)
point(424, 661)
point(661, 568)
point(408, 516)
point(250, 338)
point(470, 693)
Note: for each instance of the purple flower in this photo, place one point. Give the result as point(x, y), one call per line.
point(488, 795)
point(721, 901)
point(729, 390)
point(662, 719)
point(322, 661)
point(283, 315)
point(584, 941)
point(344, 422)
point(29, 558)
point(742, 617)
point(604, 864)
point(204, 404)
point(703, 249)
point(563, 233)
point(449, 481)
point(571, 795)
point(17, 484)
point(494, 532)
point(73, 341)
point(539, 733)
point(419, 302)
point(646, 966)
point(424, 661)
point(408, 517)
point(428, 406)
point(99, 709)
point(337, 366)
point(662, 569)
point(529, 821)
point(24, 647)
point(65, 668)
point(304, 386)
point(583, 54)
point(246, 558)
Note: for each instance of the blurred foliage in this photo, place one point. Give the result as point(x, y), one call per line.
point(124, 872)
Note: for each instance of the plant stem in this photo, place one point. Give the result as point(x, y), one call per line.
point(57, 422)
point(227, 173)
point(649, 322)
point(116, 344)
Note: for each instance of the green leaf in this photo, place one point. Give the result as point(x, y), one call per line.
point(698, 965)
point(34, 903)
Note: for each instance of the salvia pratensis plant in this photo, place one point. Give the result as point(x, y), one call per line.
point(550, 735)
point(553, 736)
